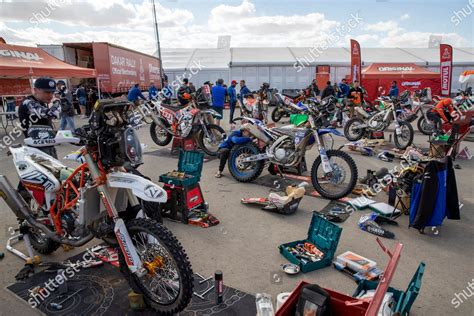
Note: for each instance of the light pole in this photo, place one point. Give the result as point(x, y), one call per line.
point(158, 43)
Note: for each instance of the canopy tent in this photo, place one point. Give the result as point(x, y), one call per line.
point(467, 76)
point(377, 78)
point(20, 63)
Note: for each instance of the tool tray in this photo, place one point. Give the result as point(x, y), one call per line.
point(324, 235)
point(404, 300)
point(190, 162)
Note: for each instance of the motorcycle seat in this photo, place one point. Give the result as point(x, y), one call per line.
point(290, 95)
point(291, 131)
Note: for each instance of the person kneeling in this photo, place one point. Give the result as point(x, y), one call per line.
point(237, 137)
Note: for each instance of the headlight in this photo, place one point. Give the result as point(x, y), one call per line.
point(133, 149)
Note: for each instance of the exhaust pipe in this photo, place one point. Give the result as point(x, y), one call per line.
point(18, 205)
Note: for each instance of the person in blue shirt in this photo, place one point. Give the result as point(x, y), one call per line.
point(244, 91)
point(134, 93)
point(152, 91)
point(218, 99)
point(343, 88)
point(232, 99)
point(393, 90)
point(237, 137)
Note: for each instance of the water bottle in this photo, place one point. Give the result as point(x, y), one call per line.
point(264, 304)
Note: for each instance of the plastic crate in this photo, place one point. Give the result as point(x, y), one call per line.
point(190, 162)
point(405, 299)
point(322, 233)
point(297, 119)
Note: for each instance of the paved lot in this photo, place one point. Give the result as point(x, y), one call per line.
point(245, 244)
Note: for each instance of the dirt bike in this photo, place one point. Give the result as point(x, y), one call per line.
point(256, 104)
point(66, 206)
point(358, 127)
point(184, 122)
point(286, 107)
point(333, 173)
point(416, 106)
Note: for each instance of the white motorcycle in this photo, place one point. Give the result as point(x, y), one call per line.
point(58, 205)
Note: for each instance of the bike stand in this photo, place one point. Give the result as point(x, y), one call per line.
point(31, 258)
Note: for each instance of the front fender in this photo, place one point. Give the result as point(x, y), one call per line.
point(141, 187)
point(211, 112)
point(334, 131)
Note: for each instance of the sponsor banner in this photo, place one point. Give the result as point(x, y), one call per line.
point(446, 68)
point(356, 61)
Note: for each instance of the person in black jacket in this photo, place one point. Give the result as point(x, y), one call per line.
point(313, 88)
point(328, 91)
point(67, 108)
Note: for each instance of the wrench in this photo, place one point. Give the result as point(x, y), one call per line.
point(201, 296)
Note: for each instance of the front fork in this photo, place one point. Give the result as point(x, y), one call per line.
point(123, 237)
point(327, 168)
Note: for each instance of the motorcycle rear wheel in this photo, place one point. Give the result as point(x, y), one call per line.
point(167, 252)
point(245, 172)
point(351, 133)
point(277, 114)
point(424, 126)
point(338, 173)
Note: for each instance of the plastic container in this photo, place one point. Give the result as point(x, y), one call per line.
point(405, 299)
point(322, 233)
point(190, 162)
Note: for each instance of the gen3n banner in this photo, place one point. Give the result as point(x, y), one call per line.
point(356, 61)
point(446, 68)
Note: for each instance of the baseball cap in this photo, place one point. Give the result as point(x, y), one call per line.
point(233, 81)
point(46, 84)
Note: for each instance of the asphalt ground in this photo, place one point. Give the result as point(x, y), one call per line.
point(245, 243)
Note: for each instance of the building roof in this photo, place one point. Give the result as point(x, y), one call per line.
point(214, 58)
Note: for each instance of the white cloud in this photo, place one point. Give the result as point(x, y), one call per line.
point(383, 26)
point(404, 17)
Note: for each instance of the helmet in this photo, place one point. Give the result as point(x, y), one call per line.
point(186, 96)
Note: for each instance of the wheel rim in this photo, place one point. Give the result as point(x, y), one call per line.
point(161, 133)
point(162, 281)
point(404, 137)
point(213, 141)
point(243, 169)
point(354, 131)
point(336, 181)
point(427, 126)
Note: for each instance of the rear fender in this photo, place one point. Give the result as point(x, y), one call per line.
point(334, 131)
point(141, 187)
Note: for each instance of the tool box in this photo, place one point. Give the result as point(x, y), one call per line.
point(404, 300)
point(341, 304)
point(182, 187)
point(324, 235)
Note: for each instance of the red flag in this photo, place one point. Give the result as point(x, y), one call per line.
point(356, 61)
point(446, 68)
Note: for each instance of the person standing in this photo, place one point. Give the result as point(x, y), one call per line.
point(11, 105)
point(355, 96)
point(34, 109)
point(82, 98)
point(192, 88)
point(184, 92)
point(152, 91)
point(314, 89)
point(232, 99)
point(218, 99)
point(67, 111)
point(328, 90)
point(393, 90)
point(244, 91)
point(134, 94)
point(343, 88)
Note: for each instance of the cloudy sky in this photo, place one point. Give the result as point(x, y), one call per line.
point(198, 23)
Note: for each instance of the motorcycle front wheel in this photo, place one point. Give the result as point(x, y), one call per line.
point(168, 285)
point(351, 130)
point(340, 181)
point(159, 135)
point(426, 127)
point(210, 145)
point(277, 114)
point(405, 138)
point(245, 171)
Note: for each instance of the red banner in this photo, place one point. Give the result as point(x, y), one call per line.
point(446, 68)
point(356, 61)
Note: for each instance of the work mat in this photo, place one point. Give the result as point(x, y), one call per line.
point(104, 292)
point(332, 209)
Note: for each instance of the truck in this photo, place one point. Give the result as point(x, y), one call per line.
point(118, 68)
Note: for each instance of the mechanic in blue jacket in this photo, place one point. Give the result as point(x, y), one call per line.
point(393, 90)
point(152, 91)
point(218, 99)
point(135, 93)
point(237, 137)
point(244, 91)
